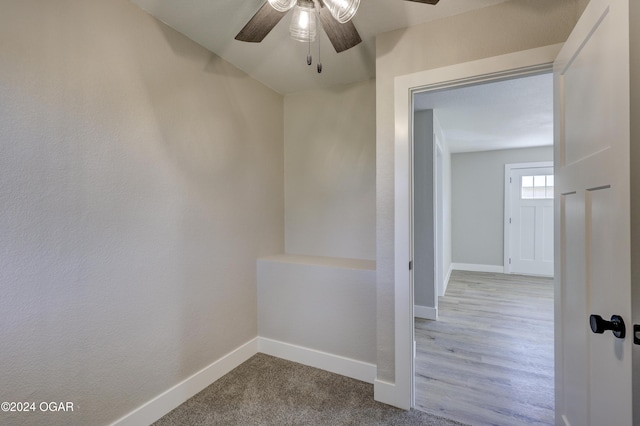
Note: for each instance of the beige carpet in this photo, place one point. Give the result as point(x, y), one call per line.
point(270, 391)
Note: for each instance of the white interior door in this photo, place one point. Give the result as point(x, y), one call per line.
point(592, 179)
point(530, 220)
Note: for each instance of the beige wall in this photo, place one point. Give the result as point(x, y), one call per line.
point(582, 4)
point(508, 27)
point(330, 172)
point(140, 178)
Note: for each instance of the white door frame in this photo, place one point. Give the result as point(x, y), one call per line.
point(508, 168)
point(438, 218)
point(511, 65)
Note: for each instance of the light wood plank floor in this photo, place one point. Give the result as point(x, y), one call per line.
point(488, 360)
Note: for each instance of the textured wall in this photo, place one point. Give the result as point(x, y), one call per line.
point(140, 178)
point(330, 172)
point(478, 201)
point(504, 28)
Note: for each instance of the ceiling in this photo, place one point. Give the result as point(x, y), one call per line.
point(515, 113)
point(280, 62)
point(508, 114)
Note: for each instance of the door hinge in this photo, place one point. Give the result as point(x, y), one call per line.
point(509, 221)
point(509, 261)
point(510, 180)
point(411, 265)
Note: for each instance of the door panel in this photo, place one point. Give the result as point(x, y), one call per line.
point(547, 232)
point(583, 122)
point(527, 231)
point(601, 253)
point(572, 360)
point(591, 90)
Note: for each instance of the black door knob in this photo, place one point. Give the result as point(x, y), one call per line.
point(600, 325)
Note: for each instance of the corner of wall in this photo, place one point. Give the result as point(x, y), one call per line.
point(162, 404)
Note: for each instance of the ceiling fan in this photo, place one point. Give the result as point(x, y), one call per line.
point(335, 18)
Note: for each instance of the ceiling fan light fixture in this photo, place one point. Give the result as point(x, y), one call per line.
point(282, 5)
point(303, 22)
point(342, 10)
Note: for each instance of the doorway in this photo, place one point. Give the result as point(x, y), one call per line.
point(593, 181)
point(523, 63)
point(499, 131)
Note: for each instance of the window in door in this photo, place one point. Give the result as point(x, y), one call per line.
point(537, 187)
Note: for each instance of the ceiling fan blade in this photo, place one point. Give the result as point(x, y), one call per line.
point(342, 36)
point(426, 1)
point(260, 24)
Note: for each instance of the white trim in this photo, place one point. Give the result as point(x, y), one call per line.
point(498, 269)
point(507, 219)
point(358, 370)
point(385, 392)
point(521, 63)
point(178, 394)
point(438, 219)
point(508, 171)
point(425, 312)
point(446, 279)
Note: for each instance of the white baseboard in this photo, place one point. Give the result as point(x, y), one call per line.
point(325, 361)
point(425, 312)
point(477, 268)
point(446, 279)
point(178, 394)
point(386, 393)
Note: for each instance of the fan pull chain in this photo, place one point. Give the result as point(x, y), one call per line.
point(309, 58)
point(319, 58)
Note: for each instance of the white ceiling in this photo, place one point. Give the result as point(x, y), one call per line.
point(280, 62)
point(514, 113)
point(507, 114)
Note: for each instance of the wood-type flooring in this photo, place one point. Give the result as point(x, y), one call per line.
point(488, 360)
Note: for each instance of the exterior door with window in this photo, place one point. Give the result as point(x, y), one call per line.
point(530, 219)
